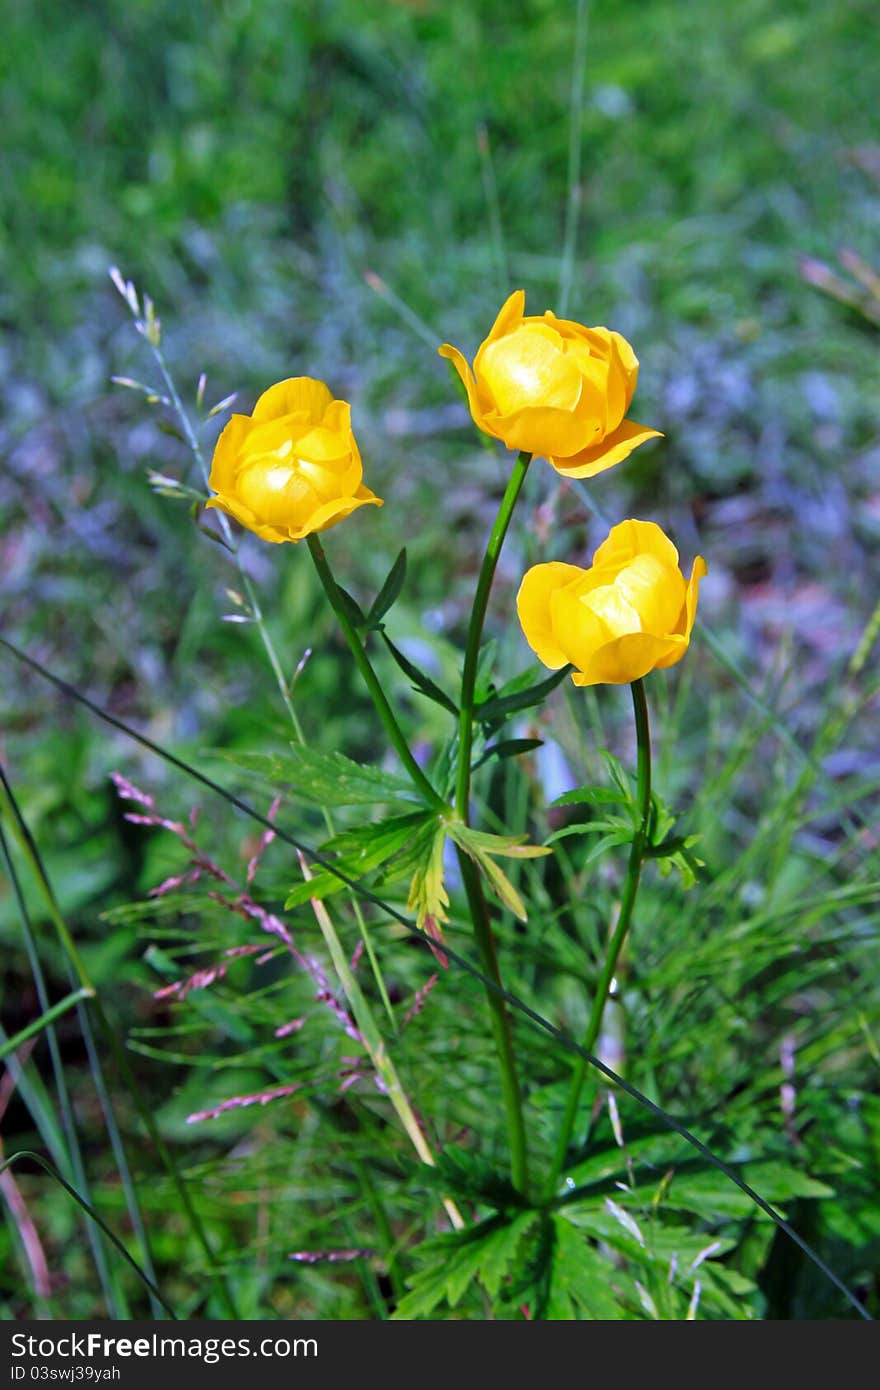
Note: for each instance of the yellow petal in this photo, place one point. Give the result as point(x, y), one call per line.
point(246, 518)
point(509, 316)
point(297, 393)
point(460, 364)
point(618, 395)
point(322, 518)
point(227, 452)
point(533, 609)
point(629, 658)
point(629, 364)
point(613, 449)
point(656, 591)
point(277, 492)
point(579, 630)
point(526, 369)
point(541, 431)
point(698, 572)
point(630, 538)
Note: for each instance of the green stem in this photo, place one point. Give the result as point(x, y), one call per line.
point(475, 633)
point(371, 680)
point(624, 918)
point(516, 1131)
point(470, 877)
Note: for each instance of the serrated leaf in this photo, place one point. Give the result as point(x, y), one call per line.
point(427, 897)
point(329, 779)
point(504, 704)
point(359, 851)
point(592, 796)
point(502, 885)
point(483, 1252)
point(389, 591)
point(580, 1282)
point(507, 846)
point(481, 846)
point(421, 682)
point(611, 825)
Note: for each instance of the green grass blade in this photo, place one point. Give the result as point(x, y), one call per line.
point(93, 1216)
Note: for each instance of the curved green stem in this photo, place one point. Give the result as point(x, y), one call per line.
point(624, 918)
point(475, 632)
point(516, 1131)
point(371, 680)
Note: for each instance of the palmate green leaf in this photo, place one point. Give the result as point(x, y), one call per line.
point(481, 846)
point(328, 779)
point(427, 897)
point(359, 851)
point(484, 1252)
point(581, 1282)
point(671, 1258)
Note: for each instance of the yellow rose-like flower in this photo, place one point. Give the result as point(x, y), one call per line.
point(293, 466)
point(630, 613)
point(554, 388)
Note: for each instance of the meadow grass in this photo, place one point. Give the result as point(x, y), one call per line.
point(433, 147)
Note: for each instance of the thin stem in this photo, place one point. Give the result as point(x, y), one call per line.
point(501, 1032)
point(371, 680)
point(624, 918)
point(476, 901)
point(475, 632)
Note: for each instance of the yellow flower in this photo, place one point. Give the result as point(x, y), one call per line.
point(630, 613)
point(293, 466)
point(554, 388)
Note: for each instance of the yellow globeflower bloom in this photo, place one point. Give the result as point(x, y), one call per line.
point(554, 388)
point(630, 613)
point(293, 466)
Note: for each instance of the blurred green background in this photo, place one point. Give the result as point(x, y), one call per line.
point(248, 165)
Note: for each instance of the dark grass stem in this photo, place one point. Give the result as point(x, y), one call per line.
point(371, 680)
point(618, 936)
point(456, 958)
point(93, 1217)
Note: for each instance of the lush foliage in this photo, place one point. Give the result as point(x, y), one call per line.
point(288, 1066)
